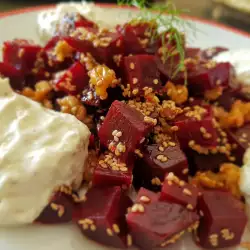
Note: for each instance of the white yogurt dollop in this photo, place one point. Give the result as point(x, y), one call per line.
point(40, 149)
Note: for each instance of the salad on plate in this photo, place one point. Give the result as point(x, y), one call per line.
point(155, 132)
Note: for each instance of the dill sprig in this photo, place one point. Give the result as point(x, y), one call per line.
point(167, 16)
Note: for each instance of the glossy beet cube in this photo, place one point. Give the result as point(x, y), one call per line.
point(59, 210)
point(195, 124)
point(102, 216)
point(124, 130)
point(153, 223)
point(180, 192)
point(223, 221)
point(74, 80)
point(202, 162)
point(104, 47)
point(157, 161)
point(111, 172)
point(240, 137)
point(21, 54)
point(15, 76)
point(137, 37)
point(210, 53)
point(141, 74)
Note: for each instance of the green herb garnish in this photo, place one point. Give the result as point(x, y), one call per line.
point(167, 16)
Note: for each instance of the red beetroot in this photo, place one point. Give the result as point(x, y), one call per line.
point(195, 125)
point(153, 223)
point(59, 209)
point(137, 37)
point(152, 169)
point(111, 172)
point(102, 216)
point(21, 54)
point(240, 137)
point(141, 74)
point(105, 47)
point(74, 80)
point(124, 130)
point(223, 220)
point(15, 76)
point(180, 192)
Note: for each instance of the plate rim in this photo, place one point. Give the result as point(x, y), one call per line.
point(109, 5)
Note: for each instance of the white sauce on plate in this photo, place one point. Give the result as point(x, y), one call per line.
point(40, 149)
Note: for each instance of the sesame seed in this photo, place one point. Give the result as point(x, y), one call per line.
point(129, 240)
point(172, 144)
point(116, 139)
point(187, 192)
point(119, 134)
point(135, 91)
point(203, 130)
point(89, 221)
point(156, 81)
point(132, 66)
point(185, 171)
point(182, 183)
point(135, 80)
point(114, 132)
point(85, 226)
point(191, 143)
point(116, 228)
point(109, 232)
point(144, 199)
point(190, 207)
point(174, 128)
point(124, 169)
point(137, 208)
point(201, 213)
point(161, 149)
point(93, 228)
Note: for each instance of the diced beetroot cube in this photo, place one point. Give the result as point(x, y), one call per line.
point(205, 77)
point(153, 223)
point(74, 80)
point(195, 125)
point(111, 172)
point(124, 129)
point(180, 192)
point(102, 216)
point(103, 47)
point(227, 98)
point(240, 137)
point(141, 74)
point(21, 54)
point(202, 162)
point(15, 76)
point(192, 52)
point(59, 209)
point(157, 162)
point(137, 37)
point(223, 220)
point(208, 54)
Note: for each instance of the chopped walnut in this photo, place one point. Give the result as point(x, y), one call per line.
point(227, 178)
point(101, 78)
point(71, 105)
point(177, 93)
point(236, 117)
point(63, 50)
point(169, 111)
point(213, 94)
point(40, 94)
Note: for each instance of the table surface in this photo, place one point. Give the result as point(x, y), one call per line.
point(197, 8)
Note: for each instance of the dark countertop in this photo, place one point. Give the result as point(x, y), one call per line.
point(197, 8)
